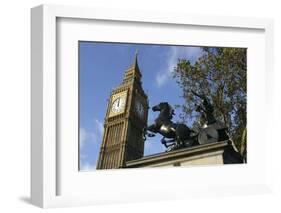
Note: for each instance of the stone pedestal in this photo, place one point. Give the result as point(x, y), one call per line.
point(206, 154)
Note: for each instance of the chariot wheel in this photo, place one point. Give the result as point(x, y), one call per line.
point(208, 135)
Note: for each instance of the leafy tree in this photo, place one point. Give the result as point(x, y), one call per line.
point(221, 75)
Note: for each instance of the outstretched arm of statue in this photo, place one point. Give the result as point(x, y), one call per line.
point(206, 103)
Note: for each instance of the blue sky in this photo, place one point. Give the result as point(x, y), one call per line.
point(101, 68)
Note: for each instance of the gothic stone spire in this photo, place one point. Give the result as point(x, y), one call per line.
point(133, 71)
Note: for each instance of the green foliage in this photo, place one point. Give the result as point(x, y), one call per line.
point(220, 74)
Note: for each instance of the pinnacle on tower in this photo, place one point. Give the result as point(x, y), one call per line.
point(133, 70)
point(135, 65)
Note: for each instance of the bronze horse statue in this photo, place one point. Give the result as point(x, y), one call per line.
point(179, 135)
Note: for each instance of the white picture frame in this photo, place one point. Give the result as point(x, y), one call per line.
point(45, 168)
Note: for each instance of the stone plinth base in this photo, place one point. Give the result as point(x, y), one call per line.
point(206, 154)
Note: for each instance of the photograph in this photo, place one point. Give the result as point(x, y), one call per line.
point(158, 105)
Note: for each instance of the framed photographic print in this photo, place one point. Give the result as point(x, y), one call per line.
point(149, 106)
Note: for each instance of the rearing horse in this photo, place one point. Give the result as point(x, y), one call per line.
point(179, 134)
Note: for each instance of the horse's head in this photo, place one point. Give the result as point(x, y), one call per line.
point(164, 106)
point(161, 106)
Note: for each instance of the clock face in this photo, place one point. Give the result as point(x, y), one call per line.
point(118, 104)
point(139, 109)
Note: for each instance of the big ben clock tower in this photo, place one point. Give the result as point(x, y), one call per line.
point(125, 118)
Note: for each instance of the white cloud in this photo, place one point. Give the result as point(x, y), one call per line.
point(190, 53)
point(161, 78)
point(99, 126)
point(83, 136)
point(91, 136)
point(86, 166)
